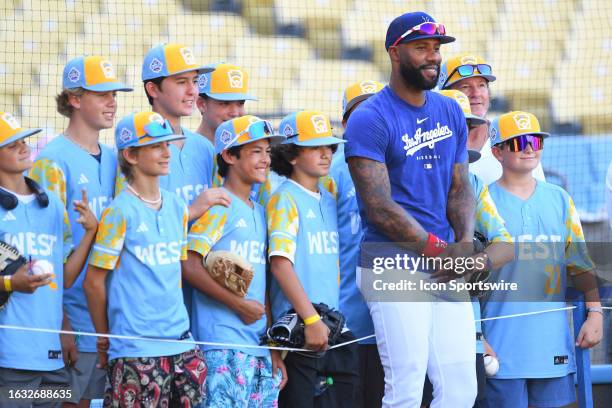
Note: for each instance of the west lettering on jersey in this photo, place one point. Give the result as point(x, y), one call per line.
point(252, 251)
point(98, 204)
point(189, 192)
point(31, 243)
point(540, 246)
point(161, 253)
point(323, 242)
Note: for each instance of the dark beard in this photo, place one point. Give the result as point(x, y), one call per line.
point(414, 78)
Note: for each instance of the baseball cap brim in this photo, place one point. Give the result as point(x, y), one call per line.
point(21, 135)
point(350, 104)
point(489, 78)
point(160, 139)
point(229, 97)
point(444, 39)
point(274, 140)
point(475, 120)
point(473, 155)
point(204, 69)
point(324, 141)
point(109, 86)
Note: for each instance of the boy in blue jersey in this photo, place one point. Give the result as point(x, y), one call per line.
point(170, 76)
point(134, 277)
point(371, 376)
point(239, 376)
point(536, 352)
point(36, 223)
point(72, 162)
point(303, 252)
point(222, 95)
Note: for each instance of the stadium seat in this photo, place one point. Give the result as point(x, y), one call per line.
point(140, 7)
point(8, 103)
point(260, 15)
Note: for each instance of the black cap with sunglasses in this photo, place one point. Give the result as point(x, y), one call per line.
point(415, 26)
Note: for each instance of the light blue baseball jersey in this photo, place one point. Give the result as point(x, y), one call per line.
point(40, 234)
point(143, 248)
point(242, 230)
point(352, 304)
point(536, 346)
point(490, 224)
point(67, 169)
point(303, 227)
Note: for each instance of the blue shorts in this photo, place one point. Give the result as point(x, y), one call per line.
point(531, 392)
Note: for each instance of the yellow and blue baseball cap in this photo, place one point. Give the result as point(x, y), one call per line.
point(358, 92)
point(226, 83)
point(243, 130)
point(308, 128)
point(513, 124)
point(464, 103)
point(93, 73)
point(464, 66)
point(143, 129)
point(11, 130)
point(170, 59)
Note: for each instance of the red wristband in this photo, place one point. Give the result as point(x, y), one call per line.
point(434, 246)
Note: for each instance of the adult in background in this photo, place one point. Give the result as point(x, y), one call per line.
point(471, 75)
point(408, 159)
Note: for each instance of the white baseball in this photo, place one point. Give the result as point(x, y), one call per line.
point(491, 365)
point(42, 266)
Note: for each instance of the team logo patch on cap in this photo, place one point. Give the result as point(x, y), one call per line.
point(523, 121)
point(368, 87)
point(288, 131)
point(187, 55)
point(202, 81)
point(156, 117)
point(463, 101)
point(469, 59)
point(107, 69)
point(156, 65)
point(74, 75)
point(319, 123)
point(226, 137)
point(235, 78)
point(10, 120)
point(125, 135)
point(493, 134)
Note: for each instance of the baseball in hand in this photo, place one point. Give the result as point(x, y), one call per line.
point(42, 266)
point(491, 365)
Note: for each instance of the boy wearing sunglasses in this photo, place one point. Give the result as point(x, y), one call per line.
point(134, 277)
point(536, 365)
point(471, 75)
point(238, 376)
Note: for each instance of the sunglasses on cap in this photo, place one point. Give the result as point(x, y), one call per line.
point(256, 130)
point(467, 70)
point(519, 143)
point(428, 28)
point(156, 129)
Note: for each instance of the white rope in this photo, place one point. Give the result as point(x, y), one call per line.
point(233, 345)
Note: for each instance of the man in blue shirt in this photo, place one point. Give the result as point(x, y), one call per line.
point(407, 155)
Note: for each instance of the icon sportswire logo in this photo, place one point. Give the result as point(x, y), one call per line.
point(426, 138)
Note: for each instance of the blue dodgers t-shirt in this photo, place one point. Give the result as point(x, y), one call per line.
point(419, 146)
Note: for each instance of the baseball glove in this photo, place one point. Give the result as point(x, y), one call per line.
point(230, 271)
point(288, 331)
point(480, 243)
point(10, 261)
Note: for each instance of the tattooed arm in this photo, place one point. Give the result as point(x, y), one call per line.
point(372, 184)
point(461, 205)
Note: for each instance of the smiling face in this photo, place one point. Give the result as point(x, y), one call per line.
point(517, 162)
point(175, 96)
point(15, 157)
point(215, 112)
point(96, 109)
point(477, 91)
point(253, 162)
point(418, 62)
point(313, 161)
point(150, 160)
